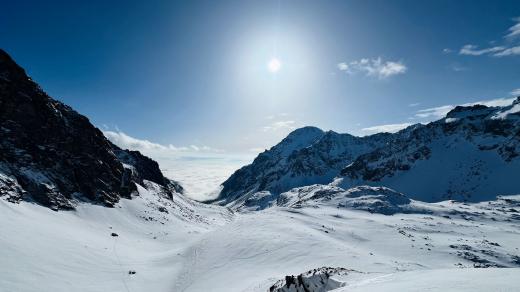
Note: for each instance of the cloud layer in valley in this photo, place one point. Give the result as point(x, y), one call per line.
point(200, 169)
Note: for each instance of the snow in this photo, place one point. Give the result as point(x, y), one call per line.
point(442, 280)
point(505, 113)
point(194, 247)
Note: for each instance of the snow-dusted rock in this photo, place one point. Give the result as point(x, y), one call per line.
point(54, 156)
point(372, 199)
point(316, 280)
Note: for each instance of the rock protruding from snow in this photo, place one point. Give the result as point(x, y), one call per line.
point(52, 155)
point(372, 199)
point(316, 280)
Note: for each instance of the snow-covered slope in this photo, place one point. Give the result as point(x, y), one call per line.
point(95, 248)
point(179, 245)
point(472, 154)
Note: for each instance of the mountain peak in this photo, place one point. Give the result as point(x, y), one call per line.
point(9, 70)
point(307, 130)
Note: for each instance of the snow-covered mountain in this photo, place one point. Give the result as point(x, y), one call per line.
point(472, 154)
point(306, 156)
point(54, 156)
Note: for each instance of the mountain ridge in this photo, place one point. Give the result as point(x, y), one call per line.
point(380, 159)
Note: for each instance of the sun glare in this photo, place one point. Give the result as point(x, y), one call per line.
point(274, 65)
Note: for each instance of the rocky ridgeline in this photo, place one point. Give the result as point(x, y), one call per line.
point(52, 155)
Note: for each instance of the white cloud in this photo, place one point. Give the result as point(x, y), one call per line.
point(127, 142)
point(514, 30)
point(435, 112)
point(389, 128)
point(515, 92)
point(441, 111)
point(447, 51)
point(497, 51)
point(200, 169)
point(343, 66)
point(473, 50)
point(374, 67)
point(280, 125)
point(508, 52)
point(414, 104)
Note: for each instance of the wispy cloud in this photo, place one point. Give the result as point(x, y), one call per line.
point(127, 142)
point(515, 92)
point(388, 128)
point(343, 66)
point(457, 67)
point(373, 67)
point(447, 51)
point(514, 30)
point(508, 52)
point(435, 112)
point(414, 104)
point(280, 125)
point(473, 50)
point(497, 51)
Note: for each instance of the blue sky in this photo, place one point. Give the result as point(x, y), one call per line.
point(195, 75)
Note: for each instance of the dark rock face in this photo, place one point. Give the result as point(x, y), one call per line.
point(52, 155)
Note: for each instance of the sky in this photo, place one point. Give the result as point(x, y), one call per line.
point(204, 86)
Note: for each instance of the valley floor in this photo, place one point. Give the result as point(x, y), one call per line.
point(185, 246)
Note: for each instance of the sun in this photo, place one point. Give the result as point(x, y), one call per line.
point(274, 65)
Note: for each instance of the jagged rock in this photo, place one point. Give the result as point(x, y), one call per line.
point(316, 280)
point(52, 155)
